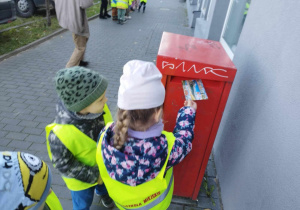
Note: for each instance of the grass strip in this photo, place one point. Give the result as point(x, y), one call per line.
point(20, 21)
point(18, 26)
point(18, 37)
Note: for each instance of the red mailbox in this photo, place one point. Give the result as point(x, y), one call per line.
point(187, 58)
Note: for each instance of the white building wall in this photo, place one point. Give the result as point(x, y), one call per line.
point(212, 27)
point(257, 149)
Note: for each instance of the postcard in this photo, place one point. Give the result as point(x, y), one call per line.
point(194, 90)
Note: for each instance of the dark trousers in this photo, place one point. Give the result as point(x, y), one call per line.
point(103, 8)
point(144, 6)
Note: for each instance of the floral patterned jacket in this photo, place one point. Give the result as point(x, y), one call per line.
point(140, 160)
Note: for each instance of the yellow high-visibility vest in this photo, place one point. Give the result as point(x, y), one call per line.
point(113, 3)
point(72, 138)
point(155, 194)
point(122, 4)
point(52, 202)
point(144, 1)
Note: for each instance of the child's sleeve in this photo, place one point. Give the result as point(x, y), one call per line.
point(68, 165)
point(184, 134)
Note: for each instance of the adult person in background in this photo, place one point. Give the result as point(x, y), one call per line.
point(72, 16)
point(103, 10)
point(25, 183)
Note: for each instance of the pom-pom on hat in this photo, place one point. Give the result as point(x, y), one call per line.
point(140, 86)
point(78, 87)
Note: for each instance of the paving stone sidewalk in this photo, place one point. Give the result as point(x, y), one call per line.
point(27, 95)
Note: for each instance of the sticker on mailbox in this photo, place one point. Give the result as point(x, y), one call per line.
point(194, 90)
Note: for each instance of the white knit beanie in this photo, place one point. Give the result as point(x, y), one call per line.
point(140, 86)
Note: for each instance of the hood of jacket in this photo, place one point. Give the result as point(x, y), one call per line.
point(90, 124)
point(140, 159)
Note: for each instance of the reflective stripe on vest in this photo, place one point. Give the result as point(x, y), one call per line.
point(154, 194)
point(53, 202)
point(72, 138)
point(113, 3)
point(122, 3)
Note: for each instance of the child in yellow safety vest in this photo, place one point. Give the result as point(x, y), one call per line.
point(142, 2)
point(135, 155)
point(122, 6)
point(81, 113)
point(114, 10)
point(26, 183)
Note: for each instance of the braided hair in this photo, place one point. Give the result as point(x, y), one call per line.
point(135, 119)
point(121, 129)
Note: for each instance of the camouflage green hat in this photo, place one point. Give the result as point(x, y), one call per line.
point(78, 87)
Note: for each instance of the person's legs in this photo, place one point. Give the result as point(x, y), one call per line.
point(127, 11)
point(105, 2)
point(103, 9)
point(144, 7)
point(119, 15)
point(114, 13)
point(127, 14)
point(78, 53)
point(123, 16)
point(83, 43)
point(101, 191)
point(82, 200)
point(140, 6)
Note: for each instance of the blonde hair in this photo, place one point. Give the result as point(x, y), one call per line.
point(130, 118)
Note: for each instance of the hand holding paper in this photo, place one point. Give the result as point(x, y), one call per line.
point(191, 103)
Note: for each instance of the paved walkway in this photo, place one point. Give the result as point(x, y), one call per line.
point(27, 95)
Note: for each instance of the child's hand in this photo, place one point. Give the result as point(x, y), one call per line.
point(100, 180)
point(191, 103)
